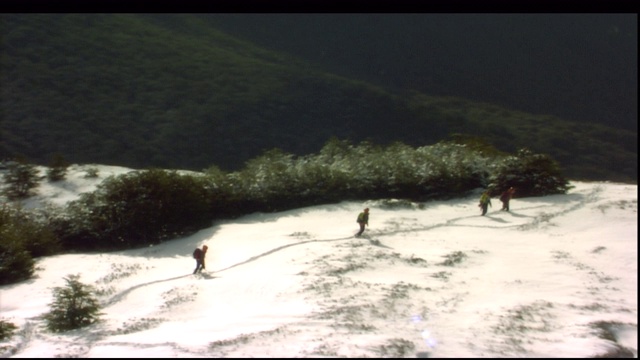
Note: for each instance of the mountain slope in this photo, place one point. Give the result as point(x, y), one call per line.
point(171, 91)
point(556, 276)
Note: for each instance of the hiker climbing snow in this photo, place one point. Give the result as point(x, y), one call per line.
point(363, 220)
point(199, 255)
point(506, 196)
point(485, 202)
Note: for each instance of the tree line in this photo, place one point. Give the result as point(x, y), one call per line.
point(146, 207)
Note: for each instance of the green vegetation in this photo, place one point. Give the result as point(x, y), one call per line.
point(20, 179)
point(146, 207)
point(57, 168)
point(23, 236)
point(585, 151)
point(454, 258)
point(7, 329)
point(130, 210)
point(173, 92)
point(396, 348)
point(74, 306)
point(532, 173)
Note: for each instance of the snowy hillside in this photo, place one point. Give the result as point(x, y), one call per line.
point(554, 277)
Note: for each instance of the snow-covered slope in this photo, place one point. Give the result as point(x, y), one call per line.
point(554, 277)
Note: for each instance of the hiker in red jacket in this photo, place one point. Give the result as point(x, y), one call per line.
point(199, 255)
point(505, 197)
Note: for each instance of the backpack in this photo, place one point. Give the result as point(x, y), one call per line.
point(360, 218)
point(197, 253)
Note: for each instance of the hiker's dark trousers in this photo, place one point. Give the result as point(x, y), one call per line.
point(199, 266)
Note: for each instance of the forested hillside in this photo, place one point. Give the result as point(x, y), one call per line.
point(171, 91)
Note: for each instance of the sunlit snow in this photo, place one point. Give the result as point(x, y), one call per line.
point(554, 277)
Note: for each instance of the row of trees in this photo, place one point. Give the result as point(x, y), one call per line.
point(22, 177)
point(146, 207)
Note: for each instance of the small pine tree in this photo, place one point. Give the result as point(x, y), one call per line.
point(57, 168)
point(74, 306)
point(20, 178)
point(6, 329)
point(91, 173)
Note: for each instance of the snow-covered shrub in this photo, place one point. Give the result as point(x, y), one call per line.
point(15, 263)
point(57, 168)
point(22, 237)
point(451, 169)
point(91, 173)
point(268, 180)
point(20, 179)
point(137, 209)
point(531, 174)
point(74, 306)
point(341, 171)
point(29, 228)
point(145, 207)
point(6, 329)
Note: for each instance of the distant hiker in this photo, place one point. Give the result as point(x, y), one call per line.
point(363, 219)
point(485, 202)
point(505, 197)
point(199, 255)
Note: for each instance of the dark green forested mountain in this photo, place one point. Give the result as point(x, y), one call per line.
point(578, 66)
point(172, 91)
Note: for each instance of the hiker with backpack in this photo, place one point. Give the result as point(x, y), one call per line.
point(199, 255)
point(485, 202)
point(506, 196)
point(363, 219)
